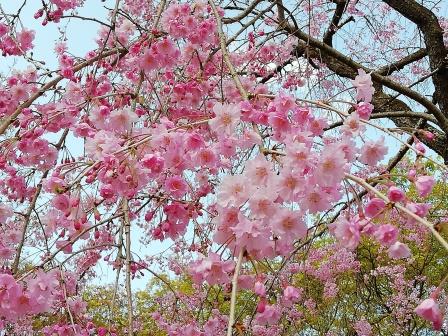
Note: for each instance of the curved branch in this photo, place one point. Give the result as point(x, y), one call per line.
point(241, 16)
point(400, 64)
point(334, 24)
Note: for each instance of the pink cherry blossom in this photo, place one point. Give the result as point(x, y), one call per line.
point(374, 207)
point(399, 250)
point(254, 236)
point(420, 209)
point(259, 289)
point(289, 225)
point(395, 194)
point(363, 328)
point(148, 61)
point(226, 118)
point(291, 294)
point(61, 202)
point(77, 305)
point(316, 200)
point(353, 125)
point(54, 184)
point(102, 144)
point(153, 162)
point(330, 167)
point(287, 184)
point(233, 191)
point(25, 39)
point(430, 311)
point(270, 314)
point(206, 157)
point(347, 232)
point(176, 186)
point(299, 155)
point(386, 234)
point(373, 151)
point(259, 170)
point(5, 213)
point(364, 110)
point(364, 86)
point(424, 185)
point(122, 120)
point(262, 204)
point(211, 269)
point(420, 147)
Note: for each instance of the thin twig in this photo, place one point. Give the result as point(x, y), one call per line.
point(234, 290)
point(127, 233)
point(16, 262)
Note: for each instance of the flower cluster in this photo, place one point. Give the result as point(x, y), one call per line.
point(262, 189)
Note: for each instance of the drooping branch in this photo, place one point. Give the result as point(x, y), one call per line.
point(225, 54)
point(403, 209)
point(127, 233)
point(236, 273)
point(385, 103)
point(346, 67)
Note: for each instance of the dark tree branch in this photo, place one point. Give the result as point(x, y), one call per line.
point(245, 13)
point(334, 25)
point(429, 25)
point(400, 64)
point(385, 103)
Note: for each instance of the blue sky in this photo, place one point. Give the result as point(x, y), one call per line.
point(80, 34)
